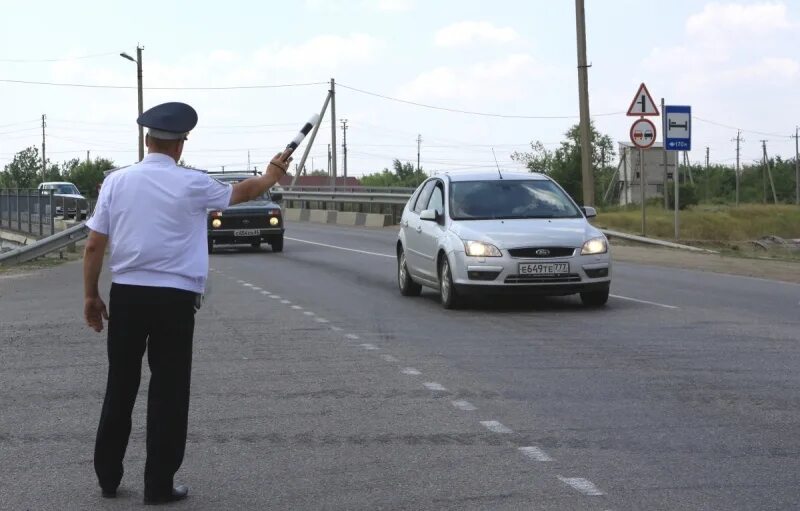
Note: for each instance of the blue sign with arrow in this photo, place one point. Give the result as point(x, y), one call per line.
point(677, 128)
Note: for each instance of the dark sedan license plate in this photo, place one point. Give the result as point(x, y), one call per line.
point(246, 232)
point(543, 268)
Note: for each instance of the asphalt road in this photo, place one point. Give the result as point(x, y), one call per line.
point(317, 386)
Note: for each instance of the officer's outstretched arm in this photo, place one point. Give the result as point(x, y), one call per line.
point(254, 187)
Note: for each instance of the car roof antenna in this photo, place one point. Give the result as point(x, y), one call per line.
point(498, 165)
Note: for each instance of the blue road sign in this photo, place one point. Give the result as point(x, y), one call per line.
point(678, 128)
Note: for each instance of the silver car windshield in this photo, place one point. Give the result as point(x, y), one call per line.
point(484, 200)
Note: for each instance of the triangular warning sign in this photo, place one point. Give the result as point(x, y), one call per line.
point(642, 104)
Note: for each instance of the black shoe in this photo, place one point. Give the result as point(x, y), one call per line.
point(109, 494)
point(178, 493)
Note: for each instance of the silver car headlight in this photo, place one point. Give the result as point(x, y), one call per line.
point(595, 246)
point(481, 249)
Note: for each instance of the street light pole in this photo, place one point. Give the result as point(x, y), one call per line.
point(138, 61)
point(141, 101)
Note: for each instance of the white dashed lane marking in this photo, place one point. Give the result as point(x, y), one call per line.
point(308, 313)
point(389, 358)
point(297, 307)
point(265, 293)
point(336, 329)
point(321, 320)
point(535, 453)
point(496, 427)
point(410, 371)
point(353, 337)
point(368, 346)
point(582, 485)
point(432, 385)
point(275, 297)
point(461, 404)
point(285, 302)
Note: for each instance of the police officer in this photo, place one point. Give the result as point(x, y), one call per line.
point(153, 217)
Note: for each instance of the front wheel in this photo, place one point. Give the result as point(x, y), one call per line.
point(595, 298)
point(447, 290)
point(277, 245)
point(407, 286)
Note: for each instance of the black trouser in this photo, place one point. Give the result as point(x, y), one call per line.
point(162, 320)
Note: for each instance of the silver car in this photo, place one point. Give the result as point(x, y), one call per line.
point(487, 232)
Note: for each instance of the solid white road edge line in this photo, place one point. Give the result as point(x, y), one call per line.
point(341, 248)
point(644, 301)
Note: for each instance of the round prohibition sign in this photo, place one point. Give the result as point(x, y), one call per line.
point(643, 133)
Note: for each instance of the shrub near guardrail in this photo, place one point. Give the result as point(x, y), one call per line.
point(708, 223)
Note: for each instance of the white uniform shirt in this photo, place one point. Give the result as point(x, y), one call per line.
point(155, 214)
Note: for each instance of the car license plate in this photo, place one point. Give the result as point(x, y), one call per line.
point(246, 232)
point(543, 268)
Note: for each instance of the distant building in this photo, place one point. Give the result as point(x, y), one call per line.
point(628, 186)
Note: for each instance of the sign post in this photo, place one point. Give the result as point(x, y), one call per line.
point(643, 135)
point(677, 137)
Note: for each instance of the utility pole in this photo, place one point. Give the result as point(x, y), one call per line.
point(769, 175)
point(329, 159)
point(44, 154)
point(419, 141)
point(764, 171)
point(248, 158)
point(664, 155)
point(796, 166)
point(707, 170)
point(333, 133)
point(583, 93)
point(87, 157)
point(738, 140)
point(344, 147)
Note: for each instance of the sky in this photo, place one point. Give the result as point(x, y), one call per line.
point(735, 63)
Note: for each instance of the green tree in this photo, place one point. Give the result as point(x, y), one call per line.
point(401, 175)
point(24, 169)
point(86, 175)
point(563, 164)
point(318, 172)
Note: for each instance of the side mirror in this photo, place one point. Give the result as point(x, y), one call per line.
point(277, 197)
point(589, 211)
point(429, 215)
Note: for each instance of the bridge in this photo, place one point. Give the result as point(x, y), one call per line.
point(317, 386)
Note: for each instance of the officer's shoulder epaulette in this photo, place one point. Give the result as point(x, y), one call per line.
point(204, 171)
point(110, 171)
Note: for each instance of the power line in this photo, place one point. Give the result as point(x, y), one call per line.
point(715, 123)
point(470, 112)
point(97, 86)
point(62, 59)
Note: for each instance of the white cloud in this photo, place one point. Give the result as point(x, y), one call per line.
point(339, 6)
point(323, 53)
point(727, 42)
point(465, 33)
point(737, 20)
point(502, 79)
point(394, 5)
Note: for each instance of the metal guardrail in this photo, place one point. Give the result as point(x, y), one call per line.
point(33, 211)
point(44, 246)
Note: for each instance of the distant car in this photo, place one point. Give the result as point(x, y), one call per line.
point(67, 199)
point(478, 233)
point(251, 223)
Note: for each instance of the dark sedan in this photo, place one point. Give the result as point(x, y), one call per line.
point(250, 223)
